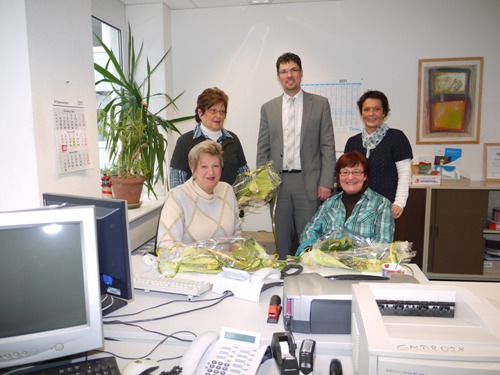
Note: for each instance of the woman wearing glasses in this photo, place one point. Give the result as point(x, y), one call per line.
point(210, 113)
point(356, 208)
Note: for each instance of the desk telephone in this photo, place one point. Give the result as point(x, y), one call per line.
point(234, 351)
point(243, 284)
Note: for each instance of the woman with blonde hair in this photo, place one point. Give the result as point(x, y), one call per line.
point(203, 207)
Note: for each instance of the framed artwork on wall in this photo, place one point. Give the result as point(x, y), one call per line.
point(492, 162)
point(449, 100)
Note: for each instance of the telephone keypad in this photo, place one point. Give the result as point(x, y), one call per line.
point(231, 360)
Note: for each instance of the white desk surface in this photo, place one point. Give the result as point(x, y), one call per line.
point(143, 221)
point(146, 207)
point(164, 318)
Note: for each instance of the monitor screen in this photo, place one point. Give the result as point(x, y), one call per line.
point(112, 242)
point(49, 275)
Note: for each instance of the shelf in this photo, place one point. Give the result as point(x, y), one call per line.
point(490, 276)
point(461, 184)
point(491, 231)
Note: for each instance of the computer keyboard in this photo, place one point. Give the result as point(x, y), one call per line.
point(147, 247)
point(157, 283)
point(94, 366)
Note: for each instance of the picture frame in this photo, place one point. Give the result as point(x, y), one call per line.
point(449, 100)
point(492, 162)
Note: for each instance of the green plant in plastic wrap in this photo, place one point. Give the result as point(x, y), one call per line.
point(256, 188)
point(353, 252)
point(209, 256)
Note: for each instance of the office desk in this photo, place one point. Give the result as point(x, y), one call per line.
point(133, 342)
point(231, 312)
point(143, 221)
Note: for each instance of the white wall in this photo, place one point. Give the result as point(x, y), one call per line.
point(49, 48)
point(235, 48)
point(18, 166)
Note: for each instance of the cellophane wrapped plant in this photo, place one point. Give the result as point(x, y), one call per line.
point(257, 188)
point(343, 249)
point(209, 256)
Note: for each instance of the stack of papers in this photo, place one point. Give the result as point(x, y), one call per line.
point(492, 250)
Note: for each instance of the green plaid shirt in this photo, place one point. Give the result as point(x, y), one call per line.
point(371, 219)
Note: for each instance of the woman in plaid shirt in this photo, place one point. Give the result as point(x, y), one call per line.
point(356, 208)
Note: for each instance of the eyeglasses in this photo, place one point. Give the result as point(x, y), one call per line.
point(284, 72)
point(214, 111)
point(354, 173)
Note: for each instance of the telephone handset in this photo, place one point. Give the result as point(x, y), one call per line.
point(208, 348)
point(242, 284)
point(196, 351)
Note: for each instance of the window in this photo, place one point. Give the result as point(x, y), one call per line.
point(111, 37)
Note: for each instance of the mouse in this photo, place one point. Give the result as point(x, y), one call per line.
point(140, 367)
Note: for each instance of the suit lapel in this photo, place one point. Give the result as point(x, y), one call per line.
point(278, 114)
point(306, 115)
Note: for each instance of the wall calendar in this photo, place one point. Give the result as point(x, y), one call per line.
point(343, 96)
point(71, 136)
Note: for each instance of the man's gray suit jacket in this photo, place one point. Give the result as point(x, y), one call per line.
point(317, 142)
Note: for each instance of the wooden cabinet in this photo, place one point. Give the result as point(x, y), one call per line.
point(447, 227)
point(456, 243)
point(415, 223)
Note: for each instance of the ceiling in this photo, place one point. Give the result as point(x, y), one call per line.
point(194, 4)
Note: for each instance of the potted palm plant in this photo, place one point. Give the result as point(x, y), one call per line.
point(135, 136)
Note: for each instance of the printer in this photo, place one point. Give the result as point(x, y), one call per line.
point(466, 342)
point(315, 304)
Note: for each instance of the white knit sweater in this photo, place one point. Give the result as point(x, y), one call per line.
point(190, 215)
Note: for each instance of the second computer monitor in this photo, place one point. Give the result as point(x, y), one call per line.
point(113, 245)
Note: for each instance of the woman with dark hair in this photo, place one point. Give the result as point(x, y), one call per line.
point(210, 113)
point(356, 208)
point(388, 152)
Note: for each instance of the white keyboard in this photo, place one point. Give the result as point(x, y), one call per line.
point(157, 283)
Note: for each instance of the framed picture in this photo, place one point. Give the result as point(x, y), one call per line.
point(449, 100)
point(492, 162)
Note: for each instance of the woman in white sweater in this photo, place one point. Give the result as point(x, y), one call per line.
point(203, 207)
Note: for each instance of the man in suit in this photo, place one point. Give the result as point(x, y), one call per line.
point(296, 133)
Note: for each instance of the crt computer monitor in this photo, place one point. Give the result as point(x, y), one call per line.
point(113, 245)
point(49, 286)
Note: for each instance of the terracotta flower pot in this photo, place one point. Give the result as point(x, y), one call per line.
point(128, 188)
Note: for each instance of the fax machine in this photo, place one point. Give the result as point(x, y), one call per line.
point(315, 304)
